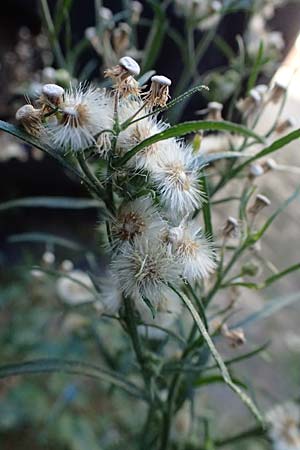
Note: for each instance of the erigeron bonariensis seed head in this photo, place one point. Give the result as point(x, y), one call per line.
point(158, 94)
point(30, 119)
point(53, 94)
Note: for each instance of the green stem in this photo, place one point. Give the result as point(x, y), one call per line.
point(52, 34)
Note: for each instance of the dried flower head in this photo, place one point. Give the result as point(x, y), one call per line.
point(121, 38)
point(249, 104)
point(143, 269)
point(285, 124)
point(261, 202)
point(255, 170)
point(30, 119)
point(231, 227)
point(214, 111)
point(158, 94)
point(278, 90)
point(284, 426)
point(236, 337)
point(193, 250)
point(123, 74)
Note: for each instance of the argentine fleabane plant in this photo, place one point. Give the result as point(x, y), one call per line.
point(153, 189)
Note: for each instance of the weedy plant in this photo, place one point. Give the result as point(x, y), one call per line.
point(155, 192)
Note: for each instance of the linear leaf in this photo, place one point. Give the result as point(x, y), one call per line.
point(51, 202)
point(271, 307)
point(71, 367)
point(217, 357)
point(35, 142)
point(44, 238)
point(277, 145)
point(202, 381)
point(185, 128)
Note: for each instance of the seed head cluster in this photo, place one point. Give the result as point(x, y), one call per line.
point(156, 242)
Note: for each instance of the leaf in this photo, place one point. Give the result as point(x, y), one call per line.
point(44, 238)
point(207, 159)
point(51, 202)
point(244, 356)
point(271, 307)
point(277, 145)
point(72, 367)
point(206, 209)
point(169, 105)
point(155, 37)
point(256, 67)
point(217, 357)
point(202, 381)
point(35, 142)
point(186, 128)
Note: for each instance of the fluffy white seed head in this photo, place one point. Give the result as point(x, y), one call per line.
point(177, 180)
point(193, 250)
point(85, 112)
point(143, 268)
point(110, 295)
point(137, 218)
point(284, 426)
point(149, 157)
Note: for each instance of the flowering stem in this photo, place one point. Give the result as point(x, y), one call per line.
point(52, 34)
point(134, 336)
point(90, 176)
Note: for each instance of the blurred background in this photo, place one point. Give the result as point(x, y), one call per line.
point(60, 412)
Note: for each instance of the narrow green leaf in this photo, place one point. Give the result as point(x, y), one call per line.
point(207, 159)
point(273, 216)
point(206, 209)
point(271, 307)
point(276, 145)
point(72, 367)
point(185, 128)
point(45, 238)
point(37, 143)
point(256, 67)
point(155, 38)
point(51, 202)
point(244, 356)
point(212, 379)
point(217, 357)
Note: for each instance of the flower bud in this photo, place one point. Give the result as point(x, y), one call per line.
point(250, 269)
point(261, 202)
point(30, 119)
point(249, 104)
point(67, 265)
